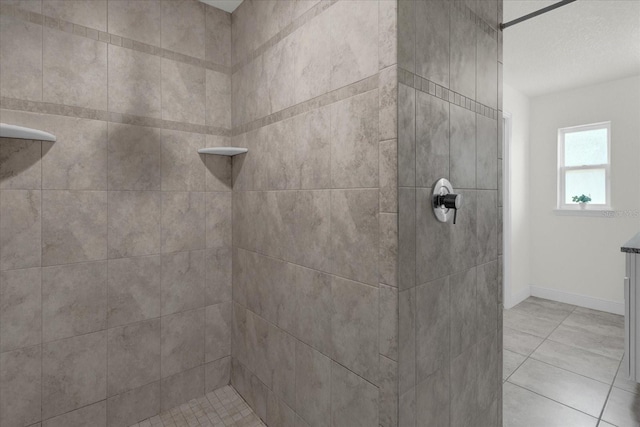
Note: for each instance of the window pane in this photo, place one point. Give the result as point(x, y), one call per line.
point(591, 182)
point(587, 147)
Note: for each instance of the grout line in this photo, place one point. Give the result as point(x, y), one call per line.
point(606, 400)
point(552, 400)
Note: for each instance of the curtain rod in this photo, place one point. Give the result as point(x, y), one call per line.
point(536, 13)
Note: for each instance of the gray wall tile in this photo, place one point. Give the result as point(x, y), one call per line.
point(354, 41)
point(74, 299)
point(217, 374)
point(78, 158)
point(133, 357)
point(183, 27)
point(218, 99)
point(134, 405)
point(138, 20)
point(181, 388)
point(20, 229)
point(387, 33)
point(183, 89)
point(135, 155)
point(312, 72)
point(432, 139)
point(354, 234)
point(183, 221)
point(354, 401)
point(183, 169)
point(133, 290)
point(74, 373)
point(313, 386)
point(388, 321)
point(135, 82)
point(74, 226)
point(20, 308)
point(432, 40)
point(354, 141)
point(20, 165)
point(354, 327)
point(462, 148)
point(21, 386)
point(20, 59)
point(90, 13)
point(217, 332)
point(433, 318)
point(95, 415)
point(134, 223)
point(75, 70)
point(406, 135)
point(218, 207)
point(487, 65)
point(218, 36)
point(183, 281)
point(182, 343)
point(433, 398)
point(463, 54)
point(487, 152)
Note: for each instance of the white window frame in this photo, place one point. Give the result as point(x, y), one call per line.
point(562, 169)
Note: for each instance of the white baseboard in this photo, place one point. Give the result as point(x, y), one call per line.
point(579, 300)
point(516, 298)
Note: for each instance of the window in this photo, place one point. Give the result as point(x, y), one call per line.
point(584, 162)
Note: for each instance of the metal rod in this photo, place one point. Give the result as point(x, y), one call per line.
point(536, 13)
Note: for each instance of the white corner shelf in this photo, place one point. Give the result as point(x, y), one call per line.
point(19, 132)
point(223, 151)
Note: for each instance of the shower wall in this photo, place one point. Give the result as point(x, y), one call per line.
point(315, 211)
point(450, 311)
point(115, 241)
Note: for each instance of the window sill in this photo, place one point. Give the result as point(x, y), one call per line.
point(602, 212)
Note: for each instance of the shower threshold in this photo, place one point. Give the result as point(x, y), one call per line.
point(223, 407)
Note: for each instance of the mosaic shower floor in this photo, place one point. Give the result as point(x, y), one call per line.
point(220, 408)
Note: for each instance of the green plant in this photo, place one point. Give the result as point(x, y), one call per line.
point(581, 199)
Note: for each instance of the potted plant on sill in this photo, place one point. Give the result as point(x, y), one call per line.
point(582, 200)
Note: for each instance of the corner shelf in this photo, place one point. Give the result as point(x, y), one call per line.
point(19, 132)
point(223, 151)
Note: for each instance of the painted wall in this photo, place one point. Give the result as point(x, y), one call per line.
point(581, 255)
point(115, 259)
point(315, 211)
point(450, 311)
point(518, 106)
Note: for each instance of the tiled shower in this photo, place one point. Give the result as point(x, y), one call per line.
point(137, 275)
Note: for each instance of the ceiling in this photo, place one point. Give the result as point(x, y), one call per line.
point(582, 43)
point(226, 5)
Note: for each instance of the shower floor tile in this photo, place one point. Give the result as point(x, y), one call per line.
point(223, 407)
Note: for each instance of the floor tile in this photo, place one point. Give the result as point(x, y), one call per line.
point(223, 407)
point(575, 391)
point(544, 309)
point(523, 408)
point(577, 360)
point(605, 345)
point(530, 324)
point(623, 409)
point(511, 362)
point(597, 322)
point(520, 342)
point(624, 383)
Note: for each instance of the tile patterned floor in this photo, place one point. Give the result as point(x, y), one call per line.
point(562, 368)
point(220, 408)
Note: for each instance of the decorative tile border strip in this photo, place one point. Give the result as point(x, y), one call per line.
point(104, 37)
point(93, 114)
point(362, 86)
point(282, 34)
point(407, 78)
point(471, 15)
